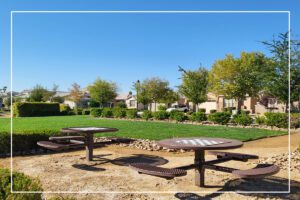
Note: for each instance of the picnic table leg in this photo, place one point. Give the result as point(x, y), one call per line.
point(89, 147)
point(199, 170)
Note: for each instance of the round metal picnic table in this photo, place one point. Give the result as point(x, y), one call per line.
point(88, 132)
point(199, 145)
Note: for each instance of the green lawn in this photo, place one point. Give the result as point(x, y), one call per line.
point(132, 129)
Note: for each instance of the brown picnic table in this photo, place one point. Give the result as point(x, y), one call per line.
point(199, 145)
point(88, 132)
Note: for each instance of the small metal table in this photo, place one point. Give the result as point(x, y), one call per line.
point(199, 145)
point(88, 132)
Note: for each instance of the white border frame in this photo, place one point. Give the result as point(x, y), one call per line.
point(146, 192)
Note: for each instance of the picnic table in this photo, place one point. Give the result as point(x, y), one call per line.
point(199, 145)
point(88, 132)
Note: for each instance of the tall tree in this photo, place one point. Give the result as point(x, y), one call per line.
point(155, 90)
point(75, 93)
point(103, 91)
point(278, 82)
point(142, 95)
point(235, 78)
point(38, 94)
point(194, 85)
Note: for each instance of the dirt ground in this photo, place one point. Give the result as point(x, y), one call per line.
point(110, 175)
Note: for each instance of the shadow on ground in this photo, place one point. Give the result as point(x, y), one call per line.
point(239, 186)
point(122, 161)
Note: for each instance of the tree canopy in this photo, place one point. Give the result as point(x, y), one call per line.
point(194, 84)
point(103, 91)
point(277, 83)
point(235, 78)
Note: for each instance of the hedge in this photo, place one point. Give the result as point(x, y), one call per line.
point(279, 120)
point(96, 112)
point(177, 115)
point(21, 182)
point(220, 117)
point(107, 112)
point(243, 119)
point(23, 141)
point(160, 115)
point(119, 112)
point(35, 109)
point(147, 114)
point(131, 113)
point(198, 117)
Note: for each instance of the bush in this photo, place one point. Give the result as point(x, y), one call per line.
point(177, 115)
point(190, 112)
point(64, 109)
point(107, 112)
point(86, 112)
point(160, 115)
point(245, 112)
point(131, 113)
point(199, 117)
point(229, 109)
point(260, 120)
point(96, 112)
point(202, 110)
point(295, 120)
point(242, 119)
point(212, 111)
point(162, 108)
point(121, 104)
point(34, 109)
point(147, 114)
point(279, 120)
point(20, 183)
point(94, 104)
point(220, 117)
point(119, 112)
point(78, 111)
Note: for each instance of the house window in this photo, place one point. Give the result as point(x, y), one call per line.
point(229, 103)
point(271, 102)
point(132, 103)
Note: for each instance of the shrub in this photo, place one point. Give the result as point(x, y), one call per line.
point(219, 117)
point(162, 108)
point(260, 120)
point(86, 112)
point(20, 183)
point(64, 109)
point(131, 113)
point(295, 120)
point(199, 117)
point(34, 109)
point(119, 112)
point(212, 111)
point(160, 115)
point(279, 120)
point(190, 112)
point(78, 111)
point(96, 112)
point(202, 110)
point(245, 112)
point(242, 119)
point(121, 104)
point(94, 104)
point(177, 115)
point(107, 112)
point(147, 114)
point(229, 109)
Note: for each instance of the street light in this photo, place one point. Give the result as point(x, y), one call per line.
point(137, 93)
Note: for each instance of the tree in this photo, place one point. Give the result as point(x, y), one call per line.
point(194, 85)
point(235, 78)
point(170, 97)
point(142, 95)
point(277, 83)
point(103, 91)
point(38, 94)
point(155, 89)
point(75, 93)
point(7, 101)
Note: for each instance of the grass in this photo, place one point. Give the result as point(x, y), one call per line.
point(132, 129)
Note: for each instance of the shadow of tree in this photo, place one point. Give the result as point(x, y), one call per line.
point(140, 158)
point(88, 167)
point(277, 184)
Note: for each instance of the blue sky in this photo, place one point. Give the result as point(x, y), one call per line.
point(63, 48)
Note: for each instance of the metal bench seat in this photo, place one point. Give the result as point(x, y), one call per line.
point(59, 146)
point(158, 171)
point(260, 171)
point(233, 156)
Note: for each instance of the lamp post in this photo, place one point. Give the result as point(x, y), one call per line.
point(137, 94)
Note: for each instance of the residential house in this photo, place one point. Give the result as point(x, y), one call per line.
point(130, 101)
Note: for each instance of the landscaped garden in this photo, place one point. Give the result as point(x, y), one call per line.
point(27, 131)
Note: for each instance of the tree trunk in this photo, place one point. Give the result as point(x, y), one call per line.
point(286, 107)
point(154, 106)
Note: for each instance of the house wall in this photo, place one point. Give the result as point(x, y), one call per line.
point(209, 105)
